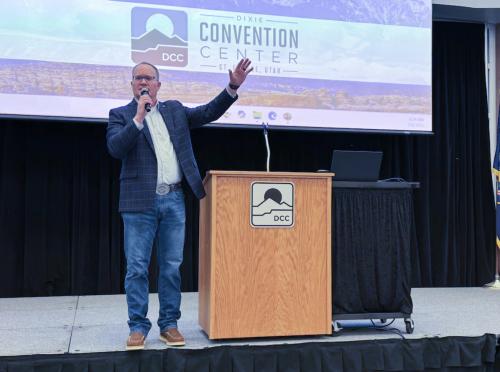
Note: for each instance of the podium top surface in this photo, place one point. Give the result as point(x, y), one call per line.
point(268, 174)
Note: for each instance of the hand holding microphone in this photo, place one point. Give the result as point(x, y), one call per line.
point(145, 92)
point(143, 105)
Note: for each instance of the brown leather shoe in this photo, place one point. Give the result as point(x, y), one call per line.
point(172, 337)
point(135, 341)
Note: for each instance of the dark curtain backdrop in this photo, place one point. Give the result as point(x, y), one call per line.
point(60, 233)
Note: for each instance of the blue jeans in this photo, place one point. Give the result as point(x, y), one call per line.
point(165, 222)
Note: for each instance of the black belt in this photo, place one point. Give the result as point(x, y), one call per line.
point(165, 188)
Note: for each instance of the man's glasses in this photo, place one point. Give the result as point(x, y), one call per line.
point(144, 77)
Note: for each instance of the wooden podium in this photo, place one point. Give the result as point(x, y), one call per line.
point(256, 278)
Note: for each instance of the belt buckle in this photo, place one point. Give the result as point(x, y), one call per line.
point(163, 189)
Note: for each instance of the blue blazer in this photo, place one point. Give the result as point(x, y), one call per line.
point(138, 176)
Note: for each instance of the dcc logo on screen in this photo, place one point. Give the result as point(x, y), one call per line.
point(159, 36)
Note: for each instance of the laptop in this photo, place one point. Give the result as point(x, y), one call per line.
point(356, 165)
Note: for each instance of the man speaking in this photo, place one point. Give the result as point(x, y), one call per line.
point(152, 140)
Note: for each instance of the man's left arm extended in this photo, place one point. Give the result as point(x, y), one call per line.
point(213, 110)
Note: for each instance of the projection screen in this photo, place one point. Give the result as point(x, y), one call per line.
point(324, 64)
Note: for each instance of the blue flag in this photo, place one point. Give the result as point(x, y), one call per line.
point(496, 171)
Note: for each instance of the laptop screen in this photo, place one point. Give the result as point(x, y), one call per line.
point(356, 165)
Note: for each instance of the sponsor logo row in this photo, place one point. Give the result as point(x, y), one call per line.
point(257, 115)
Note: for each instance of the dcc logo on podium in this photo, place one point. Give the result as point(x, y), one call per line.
point(272, 204)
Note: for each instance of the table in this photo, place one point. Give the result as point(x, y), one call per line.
point(371, 240)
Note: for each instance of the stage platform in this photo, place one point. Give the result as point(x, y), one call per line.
point(78, 326)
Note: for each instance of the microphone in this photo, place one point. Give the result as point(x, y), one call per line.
point(265, 126)
point(145, 92)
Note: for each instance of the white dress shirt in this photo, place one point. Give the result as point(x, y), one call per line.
point(169, 171)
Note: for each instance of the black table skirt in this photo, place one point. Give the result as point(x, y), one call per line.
point(371, 239)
